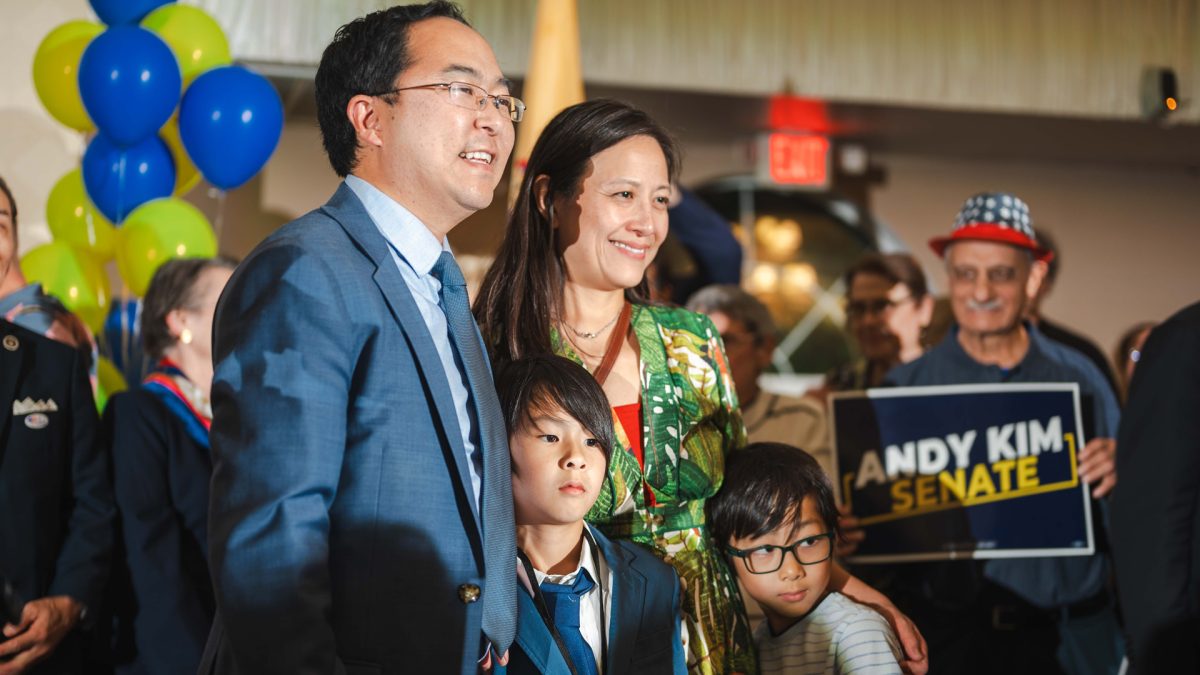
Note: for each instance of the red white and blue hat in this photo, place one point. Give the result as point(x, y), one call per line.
point(994, 216)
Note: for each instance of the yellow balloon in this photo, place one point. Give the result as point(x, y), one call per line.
point(186, 173)
point(109, 381)
point(56, 72)
point(74, 220)
point(195, 37)
point(158, 231)
point(70, 275)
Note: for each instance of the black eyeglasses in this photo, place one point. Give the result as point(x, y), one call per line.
point(767, 558)
point(856, 309)
point(471, 97)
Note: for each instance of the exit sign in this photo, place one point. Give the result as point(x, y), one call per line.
point(797, 160)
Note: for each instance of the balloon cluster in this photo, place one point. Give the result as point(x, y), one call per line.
point(157, 87)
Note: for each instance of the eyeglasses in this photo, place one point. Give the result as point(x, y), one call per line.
point(766, 559)
point(856, 309)
point(1002, 274)
point(471, 97)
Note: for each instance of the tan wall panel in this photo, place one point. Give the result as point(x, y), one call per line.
point(1068, 57)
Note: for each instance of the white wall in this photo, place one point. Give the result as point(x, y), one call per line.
point(35, 150)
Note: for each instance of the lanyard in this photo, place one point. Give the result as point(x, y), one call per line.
point(539, 600)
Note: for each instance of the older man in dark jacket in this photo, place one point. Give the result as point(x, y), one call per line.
point(56, 510)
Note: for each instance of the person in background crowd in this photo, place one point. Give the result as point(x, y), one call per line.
point(56, 520)
point(1156, 507)
point(570, 278)
point(1129, 352)
point(1055, 331)
point(361, 518)
point(750, 336)
point(1012, 615)
point(25, 304)
point(888, 307)
point(158, 442)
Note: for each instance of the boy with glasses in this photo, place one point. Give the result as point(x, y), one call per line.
point(776, 516)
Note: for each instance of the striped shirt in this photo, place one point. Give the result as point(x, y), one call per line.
point(838, 636)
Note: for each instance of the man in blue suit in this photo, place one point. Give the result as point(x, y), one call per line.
point(361, 510)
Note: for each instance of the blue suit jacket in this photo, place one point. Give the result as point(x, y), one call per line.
point(643, 625)
point(344, 534)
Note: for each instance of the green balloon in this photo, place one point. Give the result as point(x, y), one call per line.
point(109, 381)
point(194, 36)
point(75, 278)
point(56, 72)
point(74, 220)
point(158, 231)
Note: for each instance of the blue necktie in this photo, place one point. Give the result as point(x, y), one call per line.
point(499, 535)
point(563, 601)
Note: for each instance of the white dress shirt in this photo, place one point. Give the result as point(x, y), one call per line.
point(589, 608)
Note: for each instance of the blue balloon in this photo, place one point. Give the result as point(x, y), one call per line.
point(121, 339)
point(230, 120)
point(121, 12)
point(119, 180)
point(129, 82)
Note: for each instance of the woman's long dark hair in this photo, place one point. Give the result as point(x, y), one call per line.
point(522, 293)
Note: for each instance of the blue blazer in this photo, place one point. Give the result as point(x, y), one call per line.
point(344, 535)
point(643, 625)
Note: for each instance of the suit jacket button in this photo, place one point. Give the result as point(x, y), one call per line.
point(468, 593)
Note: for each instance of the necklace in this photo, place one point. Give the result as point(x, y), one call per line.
point(592, 335)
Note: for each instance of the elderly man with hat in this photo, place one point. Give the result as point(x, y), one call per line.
point(1012, 615)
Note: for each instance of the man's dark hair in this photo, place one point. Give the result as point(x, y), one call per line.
point(1048, 242)
point(522, 293)
point(898, 268)
point(547, 382)
point(172, 287)
point(365, 57)
point(764, 488)
point(12, 203)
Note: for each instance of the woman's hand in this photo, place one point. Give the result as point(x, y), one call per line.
point(852, 533)
point(916, 652)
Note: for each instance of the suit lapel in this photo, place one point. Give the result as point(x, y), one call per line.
point(346, 208)
point(628, 599)
point(535, 639)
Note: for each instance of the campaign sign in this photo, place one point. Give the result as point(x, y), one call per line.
point(975, 471)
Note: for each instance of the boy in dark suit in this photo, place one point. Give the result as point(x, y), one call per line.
point(588, 605)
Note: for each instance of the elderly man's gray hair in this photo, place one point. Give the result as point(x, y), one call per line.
point(736, 304)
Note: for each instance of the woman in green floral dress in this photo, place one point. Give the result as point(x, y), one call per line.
point(570, 278)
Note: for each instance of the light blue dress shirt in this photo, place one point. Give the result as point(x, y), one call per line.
point(415, 250)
